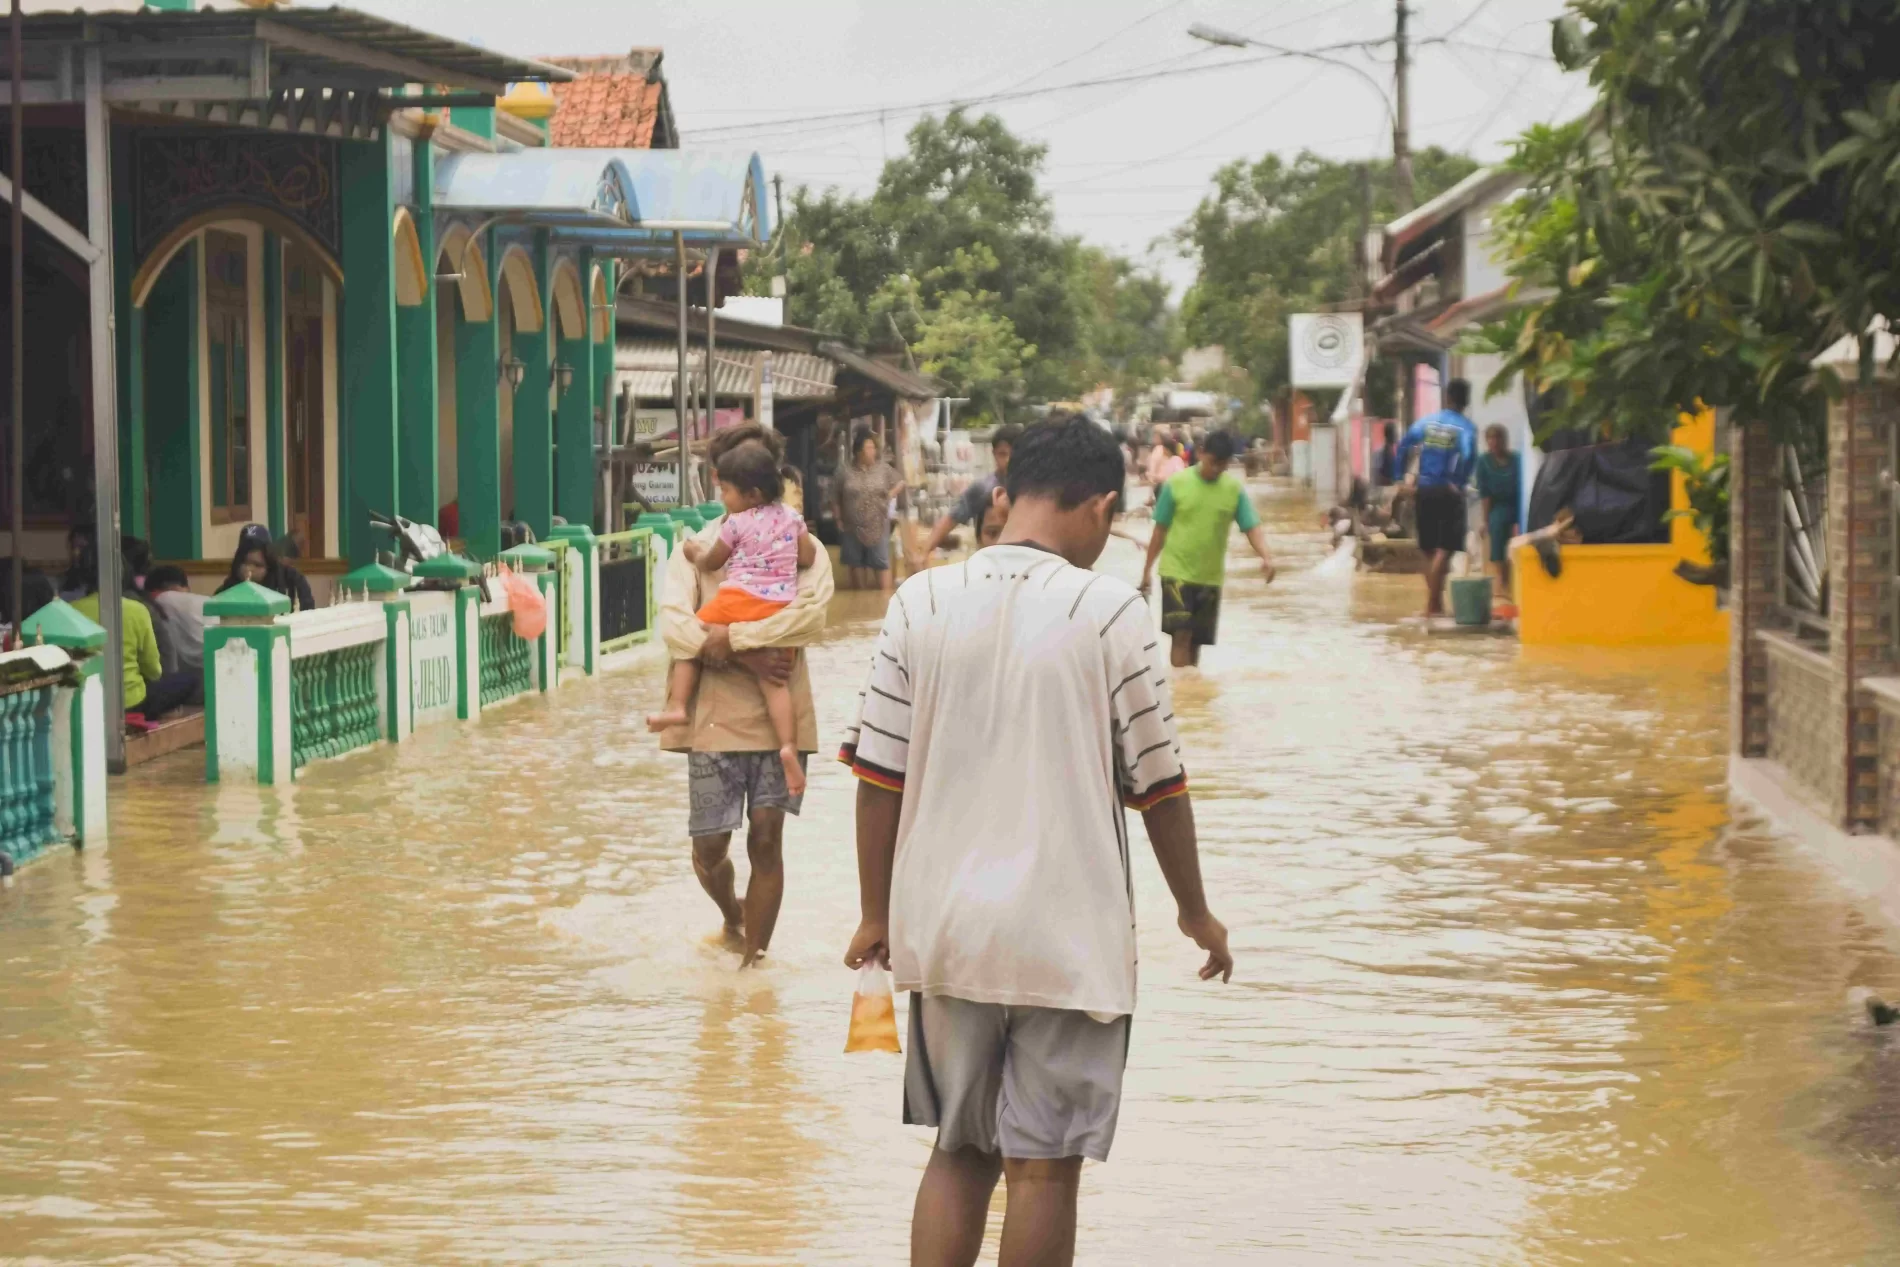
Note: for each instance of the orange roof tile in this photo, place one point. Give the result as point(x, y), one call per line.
point(613, 103)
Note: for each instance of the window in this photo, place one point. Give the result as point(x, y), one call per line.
point(228, 337)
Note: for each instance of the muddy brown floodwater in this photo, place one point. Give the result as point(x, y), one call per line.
point(1513, 988)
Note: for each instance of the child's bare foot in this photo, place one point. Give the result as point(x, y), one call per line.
point(666, 719)
point(751, 959)
point(732, 937)
point(794, 769)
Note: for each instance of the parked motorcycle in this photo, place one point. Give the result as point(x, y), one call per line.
point(414, 543)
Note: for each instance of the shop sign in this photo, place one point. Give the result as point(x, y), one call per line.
point(658, 482)
point(650, 425)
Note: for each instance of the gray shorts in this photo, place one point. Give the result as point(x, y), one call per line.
point(722, 785)
point(853, 553)
point(1031, 1083)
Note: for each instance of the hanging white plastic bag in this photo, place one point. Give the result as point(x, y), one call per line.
point(873, 1012)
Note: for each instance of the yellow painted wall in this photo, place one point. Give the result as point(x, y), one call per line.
point(1624, 596)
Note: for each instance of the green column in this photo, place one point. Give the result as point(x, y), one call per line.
point(274, 387)
point(170, 405)
point(368, 331)
point(534, 421)
point(601, 382)
point(416, 355)
point(478, 426)
point(574, 417)
point(130, 347)
point(477, 119)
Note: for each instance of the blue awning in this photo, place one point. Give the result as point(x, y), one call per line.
point(547, 187)
point(619, 201)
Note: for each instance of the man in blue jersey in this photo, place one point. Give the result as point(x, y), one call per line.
point(1447, 446)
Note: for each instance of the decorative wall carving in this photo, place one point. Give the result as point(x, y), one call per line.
point(179, 175)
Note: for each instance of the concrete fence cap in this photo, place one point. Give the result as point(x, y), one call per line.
point(60, 624)
point(248, 601)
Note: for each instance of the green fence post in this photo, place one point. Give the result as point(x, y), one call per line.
point(395, 701)
point(247, 685)
point(79, 721)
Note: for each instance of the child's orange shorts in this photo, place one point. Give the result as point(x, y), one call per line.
point(734, 606)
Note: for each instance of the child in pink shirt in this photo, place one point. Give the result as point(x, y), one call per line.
point(762, 545)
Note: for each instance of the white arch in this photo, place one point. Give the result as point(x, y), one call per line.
point(461, 254)
point(517, 270)
point(600, 310)
point(412, 271)
point(566, 308)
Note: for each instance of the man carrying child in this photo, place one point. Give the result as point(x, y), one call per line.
point(735, 772)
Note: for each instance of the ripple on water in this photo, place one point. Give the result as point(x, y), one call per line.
point(1513, 989)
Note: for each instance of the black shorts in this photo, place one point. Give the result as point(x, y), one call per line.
point(1441, 519)
point(1185, 605)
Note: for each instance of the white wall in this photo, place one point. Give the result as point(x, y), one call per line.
point(1483, 271)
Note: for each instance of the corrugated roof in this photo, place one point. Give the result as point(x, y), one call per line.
point(320, 41)
point(647, 368)
point(897, 379)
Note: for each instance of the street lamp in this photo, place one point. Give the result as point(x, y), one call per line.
point(563, 376)
point(1223, 38)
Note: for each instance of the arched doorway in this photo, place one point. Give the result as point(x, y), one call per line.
point(460, 307)
point(234, 385)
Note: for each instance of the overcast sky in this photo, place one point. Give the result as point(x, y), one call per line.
point(1127, 162)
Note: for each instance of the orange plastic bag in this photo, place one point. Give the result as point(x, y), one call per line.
point(873, 1013)
point(525, 601)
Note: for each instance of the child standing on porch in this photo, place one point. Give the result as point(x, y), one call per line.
point(762, 545)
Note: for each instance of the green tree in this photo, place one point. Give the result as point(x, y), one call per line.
point(1276, 238)
point(1725, 212)
point(958, 242)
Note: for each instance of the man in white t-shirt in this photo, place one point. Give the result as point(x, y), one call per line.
point(1014, 707)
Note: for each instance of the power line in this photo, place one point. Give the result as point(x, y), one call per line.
point(1466, 21)
point(1098, 45)
point(873, 113)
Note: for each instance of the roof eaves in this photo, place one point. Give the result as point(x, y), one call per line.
point(903, 382)
point(1473, 189)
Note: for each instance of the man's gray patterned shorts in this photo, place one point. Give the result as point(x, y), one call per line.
point(723, 785)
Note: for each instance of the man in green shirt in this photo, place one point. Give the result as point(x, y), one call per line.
point(1192, 514)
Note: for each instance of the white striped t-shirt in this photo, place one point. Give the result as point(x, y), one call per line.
point(1017, 704)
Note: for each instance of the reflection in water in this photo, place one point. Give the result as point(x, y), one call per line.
point(1513, 989)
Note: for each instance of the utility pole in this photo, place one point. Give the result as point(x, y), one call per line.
point(1402, 118)
point(16, 473)
point(1361, 262)
point(778, 199)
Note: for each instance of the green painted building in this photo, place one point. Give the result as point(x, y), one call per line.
point(328, 278)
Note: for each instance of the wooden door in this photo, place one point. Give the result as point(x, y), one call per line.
point(303, 399)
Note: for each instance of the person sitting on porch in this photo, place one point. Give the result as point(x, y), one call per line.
point(72, 583)
point(256, 560)
point(182, 613)
point(150, 692)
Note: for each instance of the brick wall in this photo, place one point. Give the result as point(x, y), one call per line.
point(1754, 574)
point(1860, 556)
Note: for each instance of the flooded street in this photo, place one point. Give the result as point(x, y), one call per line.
point(1512, 988)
